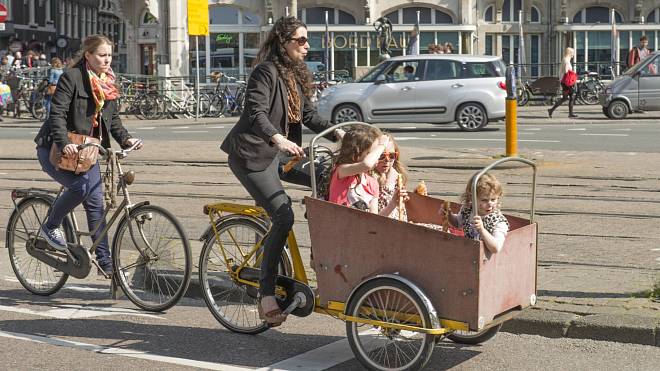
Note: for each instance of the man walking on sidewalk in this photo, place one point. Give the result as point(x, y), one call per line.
point(637, 53)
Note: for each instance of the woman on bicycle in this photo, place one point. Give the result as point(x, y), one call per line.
point(276, 106)
point(84, 103)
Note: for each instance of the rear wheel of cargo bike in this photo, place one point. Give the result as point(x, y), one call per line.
point(474, 337)
point(381, 347)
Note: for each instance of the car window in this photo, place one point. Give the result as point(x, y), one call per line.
point(373, 74)
point(442, 69)
point(480, 69)
point(401, 71)
point(651, 69)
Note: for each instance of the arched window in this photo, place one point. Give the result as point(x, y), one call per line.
point(653, 16)
point(488, 14)
point(317, 16)
point(536, 15)
point(510, 10)
point(426, 16)
point(596, 14)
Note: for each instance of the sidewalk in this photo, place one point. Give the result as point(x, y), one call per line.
point(597, 212)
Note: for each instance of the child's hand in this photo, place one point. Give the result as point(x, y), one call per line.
point(402, 193)
point(478, 223)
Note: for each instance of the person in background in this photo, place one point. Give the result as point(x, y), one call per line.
point(637, 53)
point(53, 77)
point(568, 92)
point(42, 62)
point(449, 48)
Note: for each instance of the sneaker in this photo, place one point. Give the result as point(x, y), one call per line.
point(107, 268)
point(54, 237)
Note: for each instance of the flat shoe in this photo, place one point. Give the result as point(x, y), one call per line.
point(273, 317)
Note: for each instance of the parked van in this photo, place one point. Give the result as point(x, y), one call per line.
point(637, 89)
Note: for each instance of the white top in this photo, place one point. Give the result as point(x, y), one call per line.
point(565, 67)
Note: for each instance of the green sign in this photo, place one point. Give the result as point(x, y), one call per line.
point(224, 38)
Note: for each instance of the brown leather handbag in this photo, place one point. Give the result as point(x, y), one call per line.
point(80, 163)
point(50, 89)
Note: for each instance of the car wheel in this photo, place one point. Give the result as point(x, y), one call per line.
point(346, 112)
point(617, 110)
point(471, 117)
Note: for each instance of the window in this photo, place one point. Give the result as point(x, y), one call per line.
point(488, 14)
point(442, 17)
point(402, 72)
point(651, 69)
point(510, 10)
point(223, 15)
point(317, 16)
point(653, 16)
point(489, 44)
point(481, 69)
point(410, 15)
point(439, 69)
point(426, 16)
point(536, 15)
point(596, 14)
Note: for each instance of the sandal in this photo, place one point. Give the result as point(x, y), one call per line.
point(270, 311)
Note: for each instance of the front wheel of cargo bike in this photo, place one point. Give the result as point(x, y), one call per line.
point(381, 347)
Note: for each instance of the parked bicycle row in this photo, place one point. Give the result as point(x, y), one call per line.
point(545, 90)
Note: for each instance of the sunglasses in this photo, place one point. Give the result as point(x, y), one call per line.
point(302, 40)
point(386, 156)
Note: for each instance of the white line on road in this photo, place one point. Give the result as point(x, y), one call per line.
point(146, 128)
point(408, 127)
point(77, 311)
point(121, 352)
point(216, 127)
point(67, 287)
point(622, 129)
point(182, 127)
point(190, 131)
point(577, 129)
point(607, 135)
point(531, 129)
point(477, 139)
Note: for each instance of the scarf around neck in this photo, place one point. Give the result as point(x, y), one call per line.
point(103, 88)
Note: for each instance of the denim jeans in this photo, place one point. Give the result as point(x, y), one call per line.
point(266, 189)
point(85, 188)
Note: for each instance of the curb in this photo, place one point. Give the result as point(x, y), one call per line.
point(604, 327)
point(555, 324)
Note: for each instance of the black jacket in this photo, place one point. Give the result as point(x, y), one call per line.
point(72, 108)
point(264, 116)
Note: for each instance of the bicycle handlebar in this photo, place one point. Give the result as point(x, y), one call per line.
point(121, 153)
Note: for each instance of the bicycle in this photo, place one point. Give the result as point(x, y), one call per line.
point(223, 101)
point(589, 88)
point(150, 251)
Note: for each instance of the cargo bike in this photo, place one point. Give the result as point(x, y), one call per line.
point(399, 286)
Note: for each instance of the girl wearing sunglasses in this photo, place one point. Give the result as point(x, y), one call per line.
point(277, 105)
point(387, 172)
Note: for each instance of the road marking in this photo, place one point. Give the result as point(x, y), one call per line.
point(624, 129)
point(67, 287)
point(577, 129)
point(320, 358)
point(146, 128)
point(531, 129)
point(476, 139)
point(190, 131)
point(408, 127)
point(121, 352)
point(182, 127)
point(607, 135)
point(655, 249)
point(77, 311)
point(216, 127)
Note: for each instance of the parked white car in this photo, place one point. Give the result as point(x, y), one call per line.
point(431, 88)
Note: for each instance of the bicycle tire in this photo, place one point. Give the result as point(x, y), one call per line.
point(24, 224)
point(474, 337)
point(149, 107)
point(38, 109)
point(217, 107)
point(391, 301)
point(216, 281)
point(143, 273)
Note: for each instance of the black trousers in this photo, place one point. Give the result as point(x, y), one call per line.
point(568, 93)
point(266, 189)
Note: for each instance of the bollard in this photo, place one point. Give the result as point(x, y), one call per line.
point(511, 112)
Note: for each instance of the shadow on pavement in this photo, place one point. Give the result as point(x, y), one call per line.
point(581, 294)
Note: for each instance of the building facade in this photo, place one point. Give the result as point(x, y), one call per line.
point(152, 34)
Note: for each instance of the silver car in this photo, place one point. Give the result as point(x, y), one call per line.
point(637, 89)
point(432, 88)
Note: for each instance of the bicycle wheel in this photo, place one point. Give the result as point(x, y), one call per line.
point(217, 106)
point(191, 105)
point(152, 258)
point(24, 223)
point(233, 304)
point(149, 107)
point(382, 348)
point(38, 109)
point(474, 337)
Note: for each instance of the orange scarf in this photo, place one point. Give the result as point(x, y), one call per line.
point(103, 88)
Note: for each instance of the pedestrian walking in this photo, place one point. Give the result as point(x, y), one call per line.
point(637, 53)
point(53, 77)
point(277, 105)
point(84, 103)
point(568, 79)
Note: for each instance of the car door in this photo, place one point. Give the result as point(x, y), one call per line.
point(393, 99)
point(649, 86)
point(439, 91)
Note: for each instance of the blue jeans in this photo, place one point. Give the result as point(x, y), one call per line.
point(85, 188)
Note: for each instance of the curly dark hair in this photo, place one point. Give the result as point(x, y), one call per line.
point(355, 142)
point(273, 50)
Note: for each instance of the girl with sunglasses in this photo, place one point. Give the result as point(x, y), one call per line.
point(351, 183)
point(277, 105)
point(387, 172)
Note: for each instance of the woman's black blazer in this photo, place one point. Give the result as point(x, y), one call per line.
point(264, 116)
point(72, 108)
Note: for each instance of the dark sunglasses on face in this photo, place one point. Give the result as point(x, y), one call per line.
point(386, 156)
point(302, 40)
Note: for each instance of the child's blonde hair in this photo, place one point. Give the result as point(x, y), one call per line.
point(398, 165)
point(355, 142)
point(487, 184)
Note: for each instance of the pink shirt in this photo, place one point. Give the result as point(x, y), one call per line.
point(346, 191)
